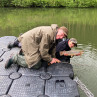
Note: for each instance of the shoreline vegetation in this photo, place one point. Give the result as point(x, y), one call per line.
point(49, 3)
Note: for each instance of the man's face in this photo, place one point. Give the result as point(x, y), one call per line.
point(71, 44)
point(60, 34)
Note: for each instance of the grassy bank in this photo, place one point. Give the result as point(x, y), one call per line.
point(48, 3)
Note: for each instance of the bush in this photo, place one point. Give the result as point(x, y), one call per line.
point(86, 3)
point(5, 3)
point(22, 3)
point(49, 3)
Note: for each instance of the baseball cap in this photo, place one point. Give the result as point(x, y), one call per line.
point(74, 41)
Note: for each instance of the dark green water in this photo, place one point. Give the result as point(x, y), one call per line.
point(82, 24)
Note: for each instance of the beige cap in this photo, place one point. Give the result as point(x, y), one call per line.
point(65, 30)
point(74, 41)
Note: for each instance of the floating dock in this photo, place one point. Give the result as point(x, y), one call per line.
point(52, 81)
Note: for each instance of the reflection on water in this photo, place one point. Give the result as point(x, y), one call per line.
point(87, 59)
point(85, 66)
point(82, 24)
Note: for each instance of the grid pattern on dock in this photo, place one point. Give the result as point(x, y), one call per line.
point(34, 83)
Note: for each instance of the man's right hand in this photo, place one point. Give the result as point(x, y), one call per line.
point(55, 60)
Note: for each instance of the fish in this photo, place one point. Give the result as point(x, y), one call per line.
point(71, 53)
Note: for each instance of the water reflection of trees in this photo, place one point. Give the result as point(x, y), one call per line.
point(79, 21)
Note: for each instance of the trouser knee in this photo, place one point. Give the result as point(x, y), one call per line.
point(20, 60)
point(37, 65)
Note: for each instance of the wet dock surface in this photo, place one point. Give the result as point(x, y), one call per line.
point(16, 81)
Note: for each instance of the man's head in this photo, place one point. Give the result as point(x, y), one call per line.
point(72, 42)
point(62, 33)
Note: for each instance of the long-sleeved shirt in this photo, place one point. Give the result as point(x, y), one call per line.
point(61, 46)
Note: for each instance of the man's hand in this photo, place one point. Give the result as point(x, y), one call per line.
point(55, 60)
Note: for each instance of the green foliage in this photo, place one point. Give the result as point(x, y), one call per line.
point(36, 3)
point(86, 3)
point(22, 3)
point(71, 3)
point(49, 3)
point(5, 3)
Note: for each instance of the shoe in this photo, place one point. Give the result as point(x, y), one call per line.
point(10, 45)
point(8, 63)
point(16, 43)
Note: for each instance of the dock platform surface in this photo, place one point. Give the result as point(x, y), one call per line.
point(53, 81)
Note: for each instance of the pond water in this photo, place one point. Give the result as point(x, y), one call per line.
point(82, 24)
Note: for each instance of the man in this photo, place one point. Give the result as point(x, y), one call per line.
point(65, 45)
point(36, 44)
